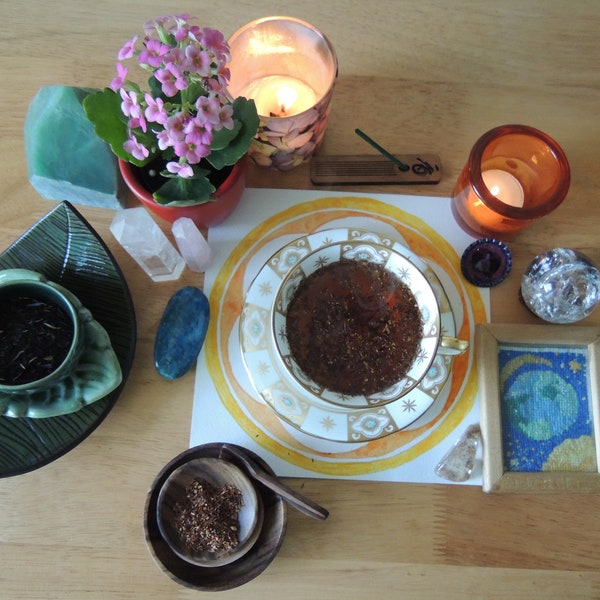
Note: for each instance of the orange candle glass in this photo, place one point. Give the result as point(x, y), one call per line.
point(515, 174)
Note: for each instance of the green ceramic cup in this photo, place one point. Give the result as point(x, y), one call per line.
point(23, 283)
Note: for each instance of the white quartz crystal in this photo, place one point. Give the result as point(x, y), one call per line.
point(144, 240)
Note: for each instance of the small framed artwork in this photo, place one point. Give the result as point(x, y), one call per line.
point(540, 416)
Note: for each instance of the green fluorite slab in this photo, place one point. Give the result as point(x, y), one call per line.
point(181, 332)
point(66, 160)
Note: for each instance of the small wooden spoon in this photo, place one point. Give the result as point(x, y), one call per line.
point(293, 498)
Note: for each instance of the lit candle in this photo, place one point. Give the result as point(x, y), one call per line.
point(504, 204)
point(280, 96)
point(504, 186)
point(289, 68)
point(482, 218)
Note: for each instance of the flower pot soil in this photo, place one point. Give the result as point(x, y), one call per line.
point(151, 179)
point(353, 327)
point(35, 339)
point(207, 214)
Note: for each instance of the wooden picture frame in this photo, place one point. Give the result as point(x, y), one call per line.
point(530, 344)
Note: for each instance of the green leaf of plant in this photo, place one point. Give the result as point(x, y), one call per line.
point(223, 137)
point(193, 92)
point(244, 113)
point(194, 191)
point(103, 109)
point(155, 88)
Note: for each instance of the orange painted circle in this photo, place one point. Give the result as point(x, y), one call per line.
point(258, 420)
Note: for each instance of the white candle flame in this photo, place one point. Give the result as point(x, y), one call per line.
point(286, 96)
point(280, 96)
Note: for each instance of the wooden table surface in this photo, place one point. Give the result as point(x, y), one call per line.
point(417, 75)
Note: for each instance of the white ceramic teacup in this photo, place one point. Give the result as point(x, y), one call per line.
point(431, 342)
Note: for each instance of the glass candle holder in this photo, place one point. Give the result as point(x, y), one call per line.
point(515, 174)
point(289, 68)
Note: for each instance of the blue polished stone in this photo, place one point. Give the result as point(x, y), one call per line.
point(181, 332)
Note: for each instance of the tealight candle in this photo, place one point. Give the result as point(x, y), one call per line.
point(515, 175)
point(289, 69)
point(504, 186)
point(279, 96)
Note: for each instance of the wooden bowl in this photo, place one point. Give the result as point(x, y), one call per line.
point(212, 475)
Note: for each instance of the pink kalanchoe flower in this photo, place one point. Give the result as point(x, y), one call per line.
point(175, 56)
point(136, 149)
point(171, 79)
point(129, 106)
point(155, 110)
point(153, 53)
point(182, 169)
point(175, 126)
point(180, 31)
point(181, 26)
point(164, 139)
point(208, 108)
point(197, 61)
point(219, 81)
point(128, 48)
point(215, 40)
point(194, 33)
point(192, 148)
point(200, 129)
point(226, 116)
point(119, 80)
point(184, 103)
point(138, 122)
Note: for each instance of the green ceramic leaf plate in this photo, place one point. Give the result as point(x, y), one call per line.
point(67, 250)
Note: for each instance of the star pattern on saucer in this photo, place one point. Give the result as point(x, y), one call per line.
point(328, 423)
point(409, 405)
point(265, 288)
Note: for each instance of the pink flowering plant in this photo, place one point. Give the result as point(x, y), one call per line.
point(185, 116)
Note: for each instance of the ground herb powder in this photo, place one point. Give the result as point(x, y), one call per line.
point(207, 518)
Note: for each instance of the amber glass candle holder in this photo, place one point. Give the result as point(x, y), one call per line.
point(289, 68)
point(515, 175)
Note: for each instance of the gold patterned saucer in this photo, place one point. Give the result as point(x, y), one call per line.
point(293, 403)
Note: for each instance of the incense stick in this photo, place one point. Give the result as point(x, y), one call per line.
point(381, 150)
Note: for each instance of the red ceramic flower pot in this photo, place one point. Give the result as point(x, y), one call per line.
point(204, 215)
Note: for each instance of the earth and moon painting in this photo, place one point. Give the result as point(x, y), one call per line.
point(547, 420)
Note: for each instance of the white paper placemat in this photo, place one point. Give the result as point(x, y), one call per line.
point(226, 406)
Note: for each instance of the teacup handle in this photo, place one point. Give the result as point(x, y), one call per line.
point(452, 345)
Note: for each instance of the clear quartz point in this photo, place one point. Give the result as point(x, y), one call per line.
point(457, 464)
point(144, 240)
